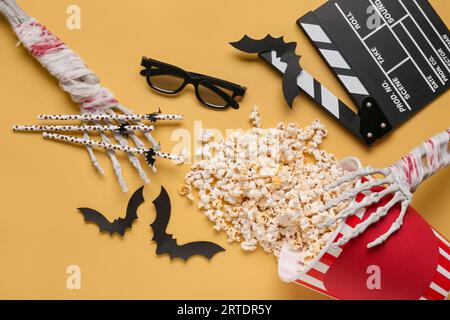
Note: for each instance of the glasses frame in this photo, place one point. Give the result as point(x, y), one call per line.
point(196, 79)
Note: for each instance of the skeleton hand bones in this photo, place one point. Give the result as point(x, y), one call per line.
point(76, 79)
point(401, 180)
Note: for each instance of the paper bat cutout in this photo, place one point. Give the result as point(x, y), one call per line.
point(150, 157)
point(283, 51)
point(119, 225)
point(124, 129)
point(166, 244)
point(152, 116)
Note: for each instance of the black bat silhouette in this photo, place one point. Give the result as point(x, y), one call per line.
point(285, 51)
point(119, 225)
point(124, 129)
point(150, 157)
point(153, 116)
point(166, 244)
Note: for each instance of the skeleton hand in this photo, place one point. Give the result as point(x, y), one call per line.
point(76, 79)
point(400, 180)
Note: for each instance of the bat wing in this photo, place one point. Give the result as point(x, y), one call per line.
point(200, 248)
point(153, 116)
point(159, 226)
point(133, 204)
point(93, 216)
point(166, 244)
point(284, 57)
point(269, 43)
point(124, 128)
point(119, 225)
point(290, 88)
point(150, 157)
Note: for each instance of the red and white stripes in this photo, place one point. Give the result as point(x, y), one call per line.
point(66, 66)
point(80, 82)
point(426, 160)
point(315, 275)
point(440, 286)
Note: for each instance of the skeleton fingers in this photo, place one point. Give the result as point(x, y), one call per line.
point(108, 129)
point(395, 186)
point(399, 181)
point(106, 144)
point(97, 103)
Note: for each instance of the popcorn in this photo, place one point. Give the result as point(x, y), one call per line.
point(254, 117)
point(265, 186)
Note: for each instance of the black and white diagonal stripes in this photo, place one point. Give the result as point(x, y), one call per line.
point(330, 53)
point(320, 94)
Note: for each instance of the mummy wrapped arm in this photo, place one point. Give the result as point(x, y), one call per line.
point(76, 79)
point(400, 180)
point(65, 65)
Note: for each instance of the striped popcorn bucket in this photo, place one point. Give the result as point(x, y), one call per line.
point(413, 264)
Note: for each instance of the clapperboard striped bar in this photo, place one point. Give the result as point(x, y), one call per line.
point(368, 125)
point(394, 52)
point(319, 94)
point(334, 59)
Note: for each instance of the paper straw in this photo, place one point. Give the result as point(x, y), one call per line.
point(83, 128)
point(110, 146)
point(136, 140)
point(117, 117)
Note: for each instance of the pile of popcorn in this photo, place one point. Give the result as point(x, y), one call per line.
point(266, 186)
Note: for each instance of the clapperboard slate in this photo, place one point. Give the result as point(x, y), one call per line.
point(396, 52)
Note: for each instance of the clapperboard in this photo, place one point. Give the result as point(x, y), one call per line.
point(394, 54)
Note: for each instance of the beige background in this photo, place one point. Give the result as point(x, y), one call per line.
point(44, 182)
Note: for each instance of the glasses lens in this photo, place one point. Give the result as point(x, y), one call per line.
point(210, 97)
point(164, 82)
